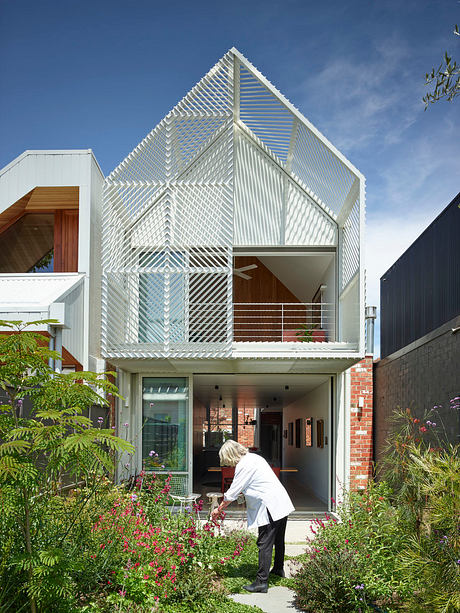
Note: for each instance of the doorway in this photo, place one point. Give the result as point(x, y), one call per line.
point(259, 411)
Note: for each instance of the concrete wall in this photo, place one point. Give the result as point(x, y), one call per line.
point(422, 375)
point(312, 462)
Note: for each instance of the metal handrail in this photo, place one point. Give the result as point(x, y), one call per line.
point(283, 322)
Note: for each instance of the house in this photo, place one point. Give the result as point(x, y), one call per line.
point(229, 290)
point(233, 285)
point(50, 264)
point(420, 330)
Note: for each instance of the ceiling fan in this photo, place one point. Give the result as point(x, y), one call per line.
point(240, 272)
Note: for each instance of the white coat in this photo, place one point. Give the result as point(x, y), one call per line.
point(262, 490)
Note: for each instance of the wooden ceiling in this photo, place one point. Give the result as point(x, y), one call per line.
point(40, 199)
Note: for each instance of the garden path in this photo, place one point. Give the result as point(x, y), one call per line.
point(279, 598)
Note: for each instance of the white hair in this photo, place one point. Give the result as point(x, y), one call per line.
point(231, 453)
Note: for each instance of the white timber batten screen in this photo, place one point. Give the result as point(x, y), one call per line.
point(233, 164)
point(168, 232)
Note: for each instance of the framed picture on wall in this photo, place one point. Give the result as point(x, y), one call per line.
point(309, 432)
point(320, 433)
point(298, 432)
point(290, 433)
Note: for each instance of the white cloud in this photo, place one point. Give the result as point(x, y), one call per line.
point(414, 186)
point(366, 101)
point(387, 238)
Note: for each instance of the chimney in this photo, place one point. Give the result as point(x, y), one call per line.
point(371, 314)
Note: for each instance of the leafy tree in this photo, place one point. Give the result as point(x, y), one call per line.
point(446, 79)
point(56, 445)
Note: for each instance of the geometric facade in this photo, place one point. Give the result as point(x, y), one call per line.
point(234, 164)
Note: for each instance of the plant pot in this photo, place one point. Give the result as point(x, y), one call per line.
point(318, 335)
point(290, 336)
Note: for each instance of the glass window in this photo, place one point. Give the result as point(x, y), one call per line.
point(164, 418)
point(153, 285)
point(27, 244)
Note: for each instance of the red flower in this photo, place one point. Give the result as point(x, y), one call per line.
point(423, 429)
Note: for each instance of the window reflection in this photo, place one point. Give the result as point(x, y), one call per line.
point(164, 416)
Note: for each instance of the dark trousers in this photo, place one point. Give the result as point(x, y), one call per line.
point(269, 535)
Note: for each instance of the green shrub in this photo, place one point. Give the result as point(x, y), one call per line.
point(396, 545)
point(56, 444)
point(357, 549)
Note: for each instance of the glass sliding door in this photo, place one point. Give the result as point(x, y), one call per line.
point(165, 426)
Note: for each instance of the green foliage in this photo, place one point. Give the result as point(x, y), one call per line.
point(39, 454)
point(305, 333)
point(395, 546)
point(446, 79)
point(98, 547)
point(426, 486)
point(358, 549)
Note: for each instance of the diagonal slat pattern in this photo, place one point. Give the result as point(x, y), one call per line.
point(168, 232)
point(233, 163)
point(350, 246)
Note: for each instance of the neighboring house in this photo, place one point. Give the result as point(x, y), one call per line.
point(232, 284)
point(50, 234)
point(420, 330)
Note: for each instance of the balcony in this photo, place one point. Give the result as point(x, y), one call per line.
point(290, 322)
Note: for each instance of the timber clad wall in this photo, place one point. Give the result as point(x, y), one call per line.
point(421, 291)
point(66, 241)
point(263, 285)
point(361, 447)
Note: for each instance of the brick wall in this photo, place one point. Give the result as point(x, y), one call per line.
point(361, 409)
point(222, 419)
point(245, 433)
point(420, 376)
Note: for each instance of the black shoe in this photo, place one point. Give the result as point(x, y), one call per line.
point(257, 586)
point(279, 573)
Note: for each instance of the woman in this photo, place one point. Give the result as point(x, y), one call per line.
point(268, 505)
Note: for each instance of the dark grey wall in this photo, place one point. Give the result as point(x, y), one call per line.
point(423, 374)
point(421, 291)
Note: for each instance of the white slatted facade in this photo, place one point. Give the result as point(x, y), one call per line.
point(233, 164)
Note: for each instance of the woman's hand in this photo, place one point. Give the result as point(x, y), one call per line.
point(218, 511)
point(216, 514)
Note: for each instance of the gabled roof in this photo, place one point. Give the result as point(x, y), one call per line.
point(235, 91)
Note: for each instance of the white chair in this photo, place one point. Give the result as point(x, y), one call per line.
point(182, 502)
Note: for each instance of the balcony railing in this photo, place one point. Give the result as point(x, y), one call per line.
point(283, 322)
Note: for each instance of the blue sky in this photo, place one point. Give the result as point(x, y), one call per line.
point(100, 74)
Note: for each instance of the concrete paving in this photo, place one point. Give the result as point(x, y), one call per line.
point(279, 598)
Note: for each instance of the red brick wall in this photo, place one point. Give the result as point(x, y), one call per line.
point(361, 423)
point(223, 417)
point(245, 433)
